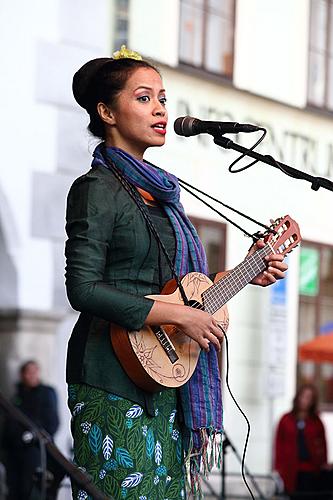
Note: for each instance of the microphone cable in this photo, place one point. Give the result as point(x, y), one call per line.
point(185, 185)
point(242, 413)
point(233, 171)
point(269, 157)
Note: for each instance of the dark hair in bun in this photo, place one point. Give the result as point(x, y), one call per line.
point(101, 80)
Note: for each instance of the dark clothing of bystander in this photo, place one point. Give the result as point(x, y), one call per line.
point(40, 405)
point(300, 452)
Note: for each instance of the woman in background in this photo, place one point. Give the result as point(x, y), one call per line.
point(300, 445)
point(130, 441)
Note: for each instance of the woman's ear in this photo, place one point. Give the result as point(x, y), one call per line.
point(105, 113)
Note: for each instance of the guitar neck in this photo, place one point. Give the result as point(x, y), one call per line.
point(227, 287)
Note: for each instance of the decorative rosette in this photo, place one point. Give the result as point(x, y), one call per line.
point(125, 53)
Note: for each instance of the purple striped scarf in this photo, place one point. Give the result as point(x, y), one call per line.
point(200, 397)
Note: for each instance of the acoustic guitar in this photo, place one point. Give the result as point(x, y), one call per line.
point(157, 357)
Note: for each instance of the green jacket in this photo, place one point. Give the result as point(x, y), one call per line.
point(112, 263)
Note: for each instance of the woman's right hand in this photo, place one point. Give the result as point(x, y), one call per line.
point(195, 323)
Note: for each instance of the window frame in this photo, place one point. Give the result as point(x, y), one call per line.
point(202, 69)
point(198, 222)
point(326, 53)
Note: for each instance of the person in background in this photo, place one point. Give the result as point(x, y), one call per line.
point(131, 442)
point(300, 445)
point(38, 402)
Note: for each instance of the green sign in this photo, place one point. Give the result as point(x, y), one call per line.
point(309, 272)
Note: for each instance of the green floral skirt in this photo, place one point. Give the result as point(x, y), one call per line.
point(129, 454)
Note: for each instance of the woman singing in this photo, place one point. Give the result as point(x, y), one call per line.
point(131, 442)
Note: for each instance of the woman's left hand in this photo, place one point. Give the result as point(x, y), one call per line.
point(275, 270)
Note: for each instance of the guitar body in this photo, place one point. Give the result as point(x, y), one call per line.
point(163, 356)
point(159, 357)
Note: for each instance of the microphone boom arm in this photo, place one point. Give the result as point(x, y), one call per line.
point(316, 182)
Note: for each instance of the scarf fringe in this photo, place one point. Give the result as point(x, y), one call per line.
point(200, 462)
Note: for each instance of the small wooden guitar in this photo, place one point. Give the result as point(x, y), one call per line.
point(163, 356)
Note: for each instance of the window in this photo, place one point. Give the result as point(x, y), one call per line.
point(316, 313)
point(320, 80)
point(121, 24)
point(213, 237)
point(207, 34)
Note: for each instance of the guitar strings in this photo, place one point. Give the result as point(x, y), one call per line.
point(211, 300)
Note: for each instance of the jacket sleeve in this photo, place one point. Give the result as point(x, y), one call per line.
point(279, 447)
point(50, 411)
point(320, 446)
point(90, 223)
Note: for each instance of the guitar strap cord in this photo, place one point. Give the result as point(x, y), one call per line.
point(185, 185)
point(134, 194)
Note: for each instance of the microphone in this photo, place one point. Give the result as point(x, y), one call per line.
point(188, 126)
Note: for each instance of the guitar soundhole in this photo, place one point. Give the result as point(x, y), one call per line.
point(178, 372)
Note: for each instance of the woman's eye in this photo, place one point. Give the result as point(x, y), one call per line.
point(144, 98)
point(163, 100)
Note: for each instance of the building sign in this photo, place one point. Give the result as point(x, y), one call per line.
point(309, 272)
point(277, 341)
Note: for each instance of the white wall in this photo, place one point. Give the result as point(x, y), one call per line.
point(153, 30)
point(43, 44)
point(271, 49)
point(20, 137)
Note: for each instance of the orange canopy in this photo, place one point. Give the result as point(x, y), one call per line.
point(320, 349)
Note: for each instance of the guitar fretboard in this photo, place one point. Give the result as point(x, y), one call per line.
point(222, 291)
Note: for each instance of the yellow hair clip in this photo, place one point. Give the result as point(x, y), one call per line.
point(125, 53)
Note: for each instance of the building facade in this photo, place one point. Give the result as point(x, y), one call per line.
point(262, 62)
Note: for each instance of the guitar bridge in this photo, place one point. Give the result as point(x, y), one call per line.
point(166, 343)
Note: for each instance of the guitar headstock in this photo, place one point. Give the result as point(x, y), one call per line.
point(287, 235)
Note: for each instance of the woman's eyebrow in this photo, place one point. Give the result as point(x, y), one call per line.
point(145, 87)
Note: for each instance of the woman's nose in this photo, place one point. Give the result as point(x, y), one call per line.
point(159, 109)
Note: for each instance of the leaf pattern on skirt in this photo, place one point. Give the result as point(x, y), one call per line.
point(77, 408)
point(95, 439)
point(132, 480)
point(150, 443)
point(107, 447)
point(124, 458)
point(134, 412)
point(172, 416)
point(142, 461)
point(158, 453)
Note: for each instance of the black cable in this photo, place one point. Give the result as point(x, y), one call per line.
point(241, 411)
point(184, 184)
point(138, 200)
point(132, 191)
point(244, 154)
point(269, 157)
point(217, 211)
point(255, 236)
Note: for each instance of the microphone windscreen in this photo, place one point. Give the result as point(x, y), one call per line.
point(184, 126)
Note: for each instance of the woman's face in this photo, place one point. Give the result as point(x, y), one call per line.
point(139, 118)
point(305, 399)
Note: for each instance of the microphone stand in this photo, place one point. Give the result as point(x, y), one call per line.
point(225, 443)
point(316, 182)
point(45, 441)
